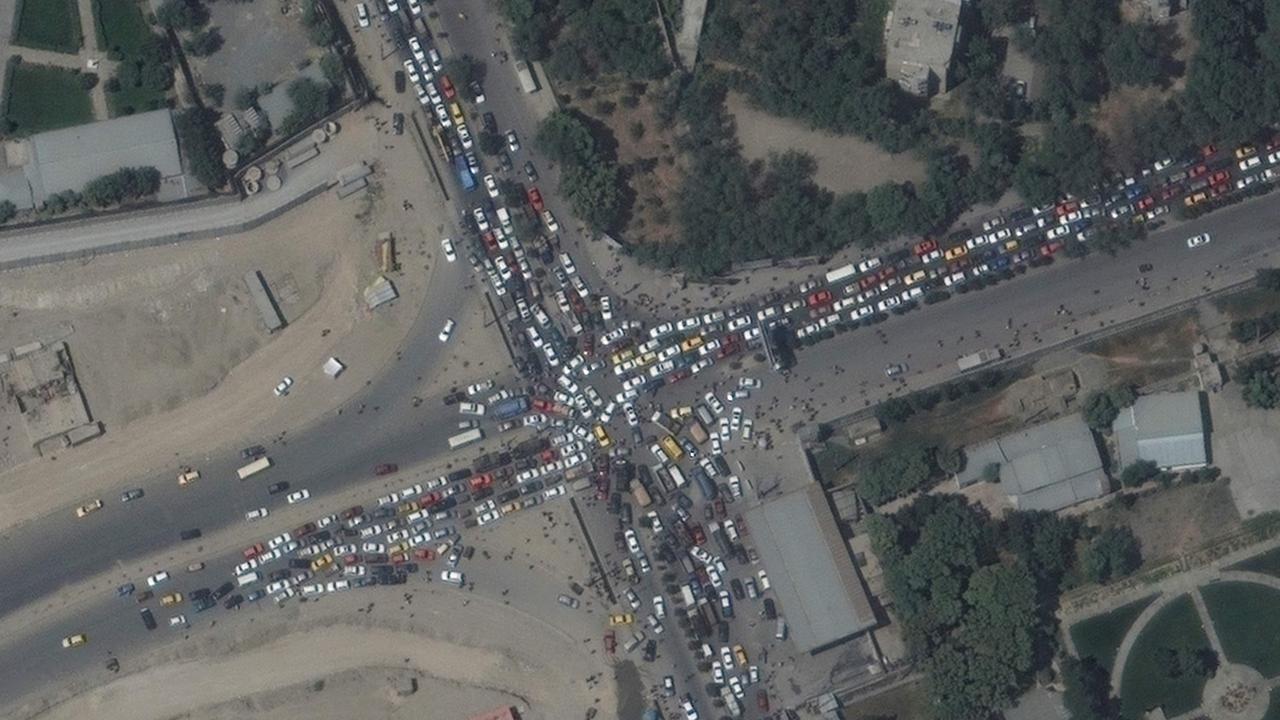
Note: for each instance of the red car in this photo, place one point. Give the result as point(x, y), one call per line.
point(822, 297)
point(1219, 177)
point(535, 199)
point(446, 87)
point(762, 700)
point(1146, 203)
point(925, 247)
point(1050, 248)
point(1208, 150)
point(543, 405)
point(385, 469)
point(610, 642)
point(352, 511)
point(867, 282)
point(351, 559)
point(304, 530)
point(253, 551)
point(1198, 170)
point(1169, 192)
point(1066, 208)
point(424, 554)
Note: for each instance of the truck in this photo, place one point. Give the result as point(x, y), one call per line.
point(980, 358)
point(705, 484)
point(697, 432)
point(464, 173)
point(510, 408)
point(686, 594)
point(464, 439)
point(842, 273)
point(254, 467)
point(527, 81)
point(677, 476)
point(641, 495)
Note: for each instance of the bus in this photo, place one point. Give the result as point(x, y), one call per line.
point(671, 448)
point(254, 467)
point(464, 439)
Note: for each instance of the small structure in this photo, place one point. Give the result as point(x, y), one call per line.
point(1165, 428)
point(333, 367)
point(920, 38)
point(381, 291)
point(41, 382)
point(810, 569)
point(1045, 467)
point(266, 304)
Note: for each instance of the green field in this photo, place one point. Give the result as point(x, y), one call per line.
point(41, 97)
point(49, 25)
point(1267, 563)
point(120, 25)
point(1100, 636)
point(1244, 614)
point(1144, 683)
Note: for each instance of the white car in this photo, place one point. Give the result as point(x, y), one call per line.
point(449, 253)
point(178, 621)
point(437, 63)
point(415, 7)
point(362, 15)
point(451, 577)
point(282, 388)
point(491, 185)
point(714, 403)
point(393, 6)
point(256, 514)
point(513, 142)
point(158, 578)
point(1198, 240)
point(447, 330)
point(471, 408)
point(415, 47)
point(750, 383)
point(479, 387)
point(294, 498)
point(411, 70)
point(735, 420)
point(482, 221)
point(690, 712)
point(550, 220)
point(464, 134)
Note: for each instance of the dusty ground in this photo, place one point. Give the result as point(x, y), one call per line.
point(1150, 353)
point(845, 163)
point(1245, 444)
point(1174, 521)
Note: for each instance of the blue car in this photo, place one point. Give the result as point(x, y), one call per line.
point(124, 590)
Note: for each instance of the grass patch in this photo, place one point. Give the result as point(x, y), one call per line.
point(1145, 684)
point(1100, 636)
point(49, 25)
point(1248, 303)
point(1241, 612)
point(1273, 710)
point(1149, 353)
point(120, 26)
point(42, 97)
point(1267, 563)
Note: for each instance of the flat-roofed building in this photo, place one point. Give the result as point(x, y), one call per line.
point(1044, 467)
point(920, 39)
point(1165, 428)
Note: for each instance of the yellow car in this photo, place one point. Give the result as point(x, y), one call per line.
point(171, 599)
point(322, 562)
point(455, 112)
point(692, 343)
point(672, 448)
point(186, 477)
point(1010, 245)
point(955, 252)
point(76, 640)
point(915, 277)
point(622, 356)
point(1245, 151)
point(616, 619)
point(647, 359)
point(740, 654)
point(86, 509)
point(1199, 197)
point(602, 436)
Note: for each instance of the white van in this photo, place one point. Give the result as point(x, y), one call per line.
point(451, 577)
point(249, 577)
point(781, 632)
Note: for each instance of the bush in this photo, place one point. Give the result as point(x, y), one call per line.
point(895, 474)
point(1102, 408)
point(1139, 472)
point(216, 93)
point(8, 211)
point(201, 145)
point(204, 43)
point(121, 185)
point(184, 15)
point(89, 81)
point(1112, 554)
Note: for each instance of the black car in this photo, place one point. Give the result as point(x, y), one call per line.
point(399, 79)
point(683, 501)
point(191, 534)
point(131, 495)
point(489, 122)
point(397, 123)
point(459, 474)
point(299, 563)
point(253, 452)
point(199, 593)
point(383, 513)
point(277, 488)
point(770, 611)
point(223, 590)
point(505, 161)
point(736, 585)
point(148, 619)
point(530, 171)
point(650, 650)
point(280, 574)
point(202, 603)
point(233, 602)
point(722, 628)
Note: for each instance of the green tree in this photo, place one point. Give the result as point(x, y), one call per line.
point(491, 143)
point(1260, 386)
point(311, 101)
point(594, 191)
point(1139, 472)
point(334, 72)
point(1103, 407)
point(1044, 542)
point(564, 138)
point(887, 206)
point(121, 185)
point(894, 474)
point(1268, 278)
point(1069, 160)
point(184, 15)
point(201, 145)
point(1134, 55)
point(1111, 555)
point(463, 71)
point(204, 43)
point(8, 211)
point(893, 410)
point(1087, 694)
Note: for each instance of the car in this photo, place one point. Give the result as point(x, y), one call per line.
point(450, 254)
point(76, 640)
point(447, 330)
point(89, 507)
point(568, 601)
point(171, 599)
point(1198, 240)
point(437, 62)
point(491, 186)
point(298, 496)
point(415, 47)
point(894, 370)
point(616, 619)
point(282, 387)
point(668, 686)
point(362, 15)
point(535, 200)
point(477, 91)
point(277, 487)
point(452, 577)
point(750, 383)
point(178, 621)
point(690, 712)
point(530, 171)
point(157, 578)
point(550, 220)
point(258, 514)
point(471, 408)
point(125, 590)
point(513, 141)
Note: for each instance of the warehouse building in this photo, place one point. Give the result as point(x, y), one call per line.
point(1166, 428)
point(1045, 467)
point(810, 569)
point(67, 159)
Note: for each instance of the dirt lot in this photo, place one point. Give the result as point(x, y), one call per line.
point(1174, 521)
point(845, 163)
point(264, 43)
point(1150, 353)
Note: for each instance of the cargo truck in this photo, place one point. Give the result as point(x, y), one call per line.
point(510, 408)
point(842, 273)
point(527, 81)
point(641, 495)
point(254, 467)
point(980, 358)
point(697, 432)
point(465, 177)
point(704, 483)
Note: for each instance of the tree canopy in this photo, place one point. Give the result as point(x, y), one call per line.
point(1112, 554)
point(591, 180)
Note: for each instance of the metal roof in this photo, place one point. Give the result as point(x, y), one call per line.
point(1166, 428)
point(810, 569)
point(69, 158)
point(1044, 467)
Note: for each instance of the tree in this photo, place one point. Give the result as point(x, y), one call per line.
point(894, 409)
point(1268, 278)
point(1139, 472)
point(334, 72)
point(8, 211)
point(564, 138)
point(1134, 55)
point(1070, 160)
point(594, 191)
point(216, 92)
point(1260, 385)
point(121, 185)
point(887, 206)
point(201, 145)
point(311, 101)
point(184, 15)
point(1103, 407)
point(1087, 694)
point(1112, 554)
point(245, 98)
point(204, 43)
point(1044, 542)
point(894, 474)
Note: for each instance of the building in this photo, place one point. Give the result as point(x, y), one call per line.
point(810, 570)
point(920, 38)
point(1165, 428)
point(67, 159)
point(1045, 467)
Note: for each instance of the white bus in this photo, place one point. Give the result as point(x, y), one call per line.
point(254, 467)
point(464, 439)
